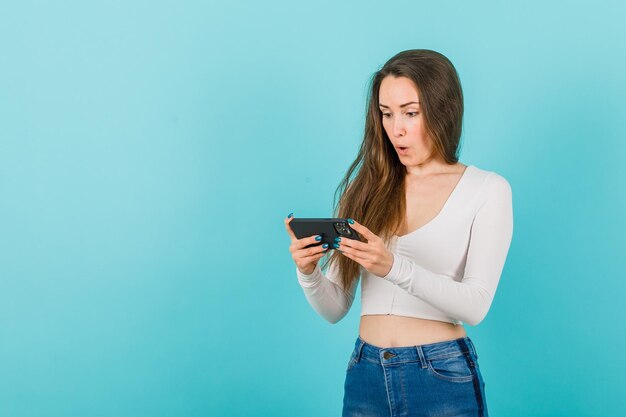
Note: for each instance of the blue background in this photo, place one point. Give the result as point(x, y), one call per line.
point(149, 153)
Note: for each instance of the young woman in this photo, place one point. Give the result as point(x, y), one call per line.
point(436, 236)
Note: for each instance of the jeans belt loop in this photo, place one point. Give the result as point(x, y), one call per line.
point(358, 354)
point(471, 344)
point(420, 353)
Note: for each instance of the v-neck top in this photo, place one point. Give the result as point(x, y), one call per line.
point(446, 270)
point(443, 208)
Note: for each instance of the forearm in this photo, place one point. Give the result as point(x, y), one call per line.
point(468, 300)
point(326, 297)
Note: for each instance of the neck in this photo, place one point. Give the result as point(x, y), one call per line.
point(429, 167)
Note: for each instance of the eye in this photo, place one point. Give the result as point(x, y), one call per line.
point(386, 114)
point(414, 113)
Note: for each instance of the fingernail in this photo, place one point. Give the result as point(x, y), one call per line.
point(290, 214)
point(350, 221)
point(337, 239)
point(325, 245)
point(335, 245)
point(318, 238)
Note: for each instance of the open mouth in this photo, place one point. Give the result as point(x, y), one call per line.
point(402, 150)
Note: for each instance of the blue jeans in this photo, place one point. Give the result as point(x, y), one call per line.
point(437, 379)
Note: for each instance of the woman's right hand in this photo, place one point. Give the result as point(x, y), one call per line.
point(305, 258)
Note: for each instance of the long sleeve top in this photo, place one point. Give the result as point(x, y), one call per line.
point(447, 270)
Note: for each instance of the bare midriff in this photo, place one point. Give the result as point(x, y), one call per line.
point(396, 331)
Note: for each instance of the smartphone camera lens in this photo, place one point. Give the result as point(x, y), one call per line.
point(342, 228)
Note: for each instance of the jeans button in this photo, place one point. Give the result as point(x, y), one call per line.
point(388, 355)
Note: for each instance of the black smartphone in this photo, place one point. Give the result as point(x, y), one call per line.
point(329, 229)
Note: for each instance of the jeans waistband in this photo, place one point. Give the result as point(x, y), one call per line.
point(418, 353)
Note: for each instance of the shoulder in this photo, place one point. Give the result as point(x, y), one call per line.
point(491, 185)
point(491, 179)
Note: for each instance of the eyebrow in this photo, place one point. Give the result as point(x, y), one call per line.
point(402, 105)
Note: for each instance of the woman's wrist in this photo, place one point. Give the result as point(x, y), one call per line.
point(308, 272)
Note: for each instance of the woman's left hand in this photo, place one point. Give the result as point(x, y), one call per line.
point(372, 255)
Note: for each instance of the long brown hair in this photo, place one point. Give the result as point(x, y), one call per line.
point(372, 191)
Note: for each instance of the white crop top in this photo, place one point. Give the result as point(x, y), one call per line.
point(447, 270)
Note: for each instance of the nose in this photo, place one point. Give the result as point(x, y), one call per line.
point(398, 127)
